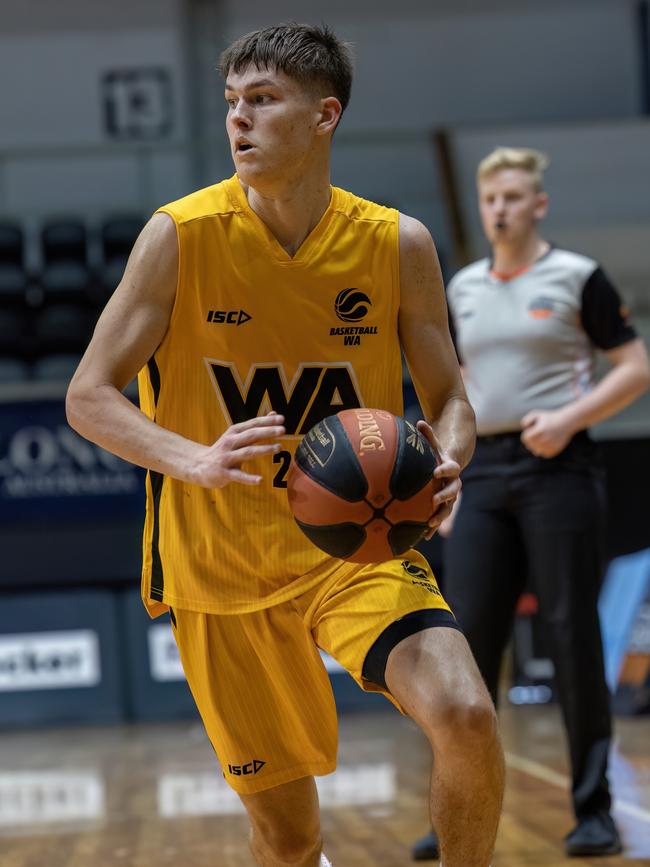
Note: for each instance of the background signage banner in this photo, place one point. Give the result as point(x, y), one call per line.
point(48, 471)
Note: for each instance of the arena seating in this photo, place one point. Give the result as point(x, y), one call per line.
point(58, 367)
point(14, 370)
point(117, 237)
point(61, 328)
point(48, 310)
point(14, 340)
point(65, 275)
point(13, 276)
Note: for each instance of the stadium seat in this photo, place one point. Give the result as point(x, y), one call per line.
point(14, 341)
point(111, 275)
point(55, 368)
point(118, 235)
point(65, 275)
point(13, 370)
point(61, 328)
point(13, 276)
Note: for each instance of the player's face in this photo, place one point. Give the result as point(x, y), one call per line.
point(272, 125)
point(510, 206)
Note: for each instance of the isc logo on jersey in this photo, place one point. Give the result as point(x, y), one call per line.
point(316, 391)
point(249, 768)
point(228, 317)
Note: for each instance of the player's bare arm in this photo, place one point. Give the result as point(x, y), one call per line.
point(432, 362)
point(546, 433)
point(127, 334)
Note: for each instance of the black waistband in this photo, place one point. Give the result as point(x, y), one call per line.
point(581, 435)
point(505, 452)
point(499, 437)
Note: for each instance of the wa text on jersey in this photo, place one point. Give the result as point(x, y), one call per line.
point(316, 391)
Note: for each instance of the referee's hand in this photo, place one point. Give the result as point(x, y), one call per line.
point(545, 433)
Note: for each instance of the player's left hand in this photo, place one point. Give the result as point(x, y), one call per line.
point(545, 433)
point(448, 471)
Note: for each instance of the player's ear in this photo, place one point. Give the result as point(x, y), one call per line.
point(330, 113)
point(541, 206)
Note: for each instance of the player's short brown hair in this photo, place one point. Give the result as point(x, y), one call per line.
point(529, 160)
point(312, 55)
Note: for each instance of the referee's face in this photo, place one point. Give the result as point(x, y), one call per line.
point(510, 206)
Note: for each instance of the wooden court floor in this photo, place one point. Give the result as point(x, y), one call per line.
point(151, 796)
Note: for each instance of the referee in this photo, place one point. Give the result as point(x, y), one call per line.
point(528, 323)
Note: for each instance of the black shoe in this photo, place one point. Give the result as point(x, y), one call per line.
point(426, 848)
point(594, 835)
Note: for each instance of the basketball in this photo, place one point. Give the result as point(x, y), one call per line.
point(361, 485)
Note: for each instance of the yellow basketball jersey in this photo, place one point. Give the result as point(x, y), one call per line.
point(253, 329)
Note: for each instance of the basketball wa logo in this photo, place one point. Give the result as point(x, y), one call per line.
point(316, 391)
point(414, 570)
point(351, 305)
point(420, 577)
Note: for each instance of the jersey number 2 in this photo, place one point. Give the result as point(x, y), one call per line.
point(284, 459)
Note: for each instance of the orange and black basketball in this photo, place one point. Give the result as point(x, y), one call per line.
point(361, 485)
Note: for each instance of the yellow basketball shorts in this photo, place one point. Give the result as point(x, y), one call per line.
point(259, 681)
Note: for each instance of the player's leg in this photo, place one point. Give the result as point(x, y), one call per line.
point(434, 677)
point(485, 571)
point(285, 825)
point(563, 521)
point(389, 626)
point(267, 705)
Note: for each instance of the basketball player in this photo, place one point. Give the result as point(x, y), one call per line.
point(529, 322)
point(228, 310)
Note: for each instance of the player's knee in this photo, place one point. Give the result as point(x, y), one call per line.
point(456, 721)
point(288, 846)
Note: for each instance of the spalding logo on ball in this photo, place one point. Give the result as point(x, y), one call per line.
point(361, 485)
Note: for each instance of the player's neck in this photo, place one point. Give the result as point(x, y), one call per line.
point(509, 259)
point(292, 210)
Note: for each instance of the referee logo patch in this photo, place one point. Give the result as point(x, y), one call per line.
point(541, 307)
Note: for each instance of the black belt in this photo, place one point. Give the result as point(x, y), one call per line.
point(499, 437)
point(581, 435)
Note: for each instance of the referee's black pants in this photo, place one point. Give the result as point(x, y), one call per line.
point(538, 522)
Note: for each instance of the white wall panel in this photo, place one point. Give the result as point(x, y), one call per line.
point(55, 97)
point(422, 64)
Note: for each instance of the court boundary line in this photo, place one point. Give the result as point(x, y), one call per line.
point(544, 773)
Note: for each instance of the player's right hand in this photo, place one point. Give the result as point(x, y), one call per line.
point(448, 472)
point(447, 525)
point(219, 464)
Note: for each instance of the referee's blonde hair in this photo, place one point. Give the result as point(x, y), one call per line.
point(528, 160)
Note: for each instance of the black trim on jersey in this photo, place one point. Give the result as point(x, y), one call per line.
point(452, 332)
point(154, 376)
point(601, 313)
point(157, 577)
point(374, 666)
point(156, 479)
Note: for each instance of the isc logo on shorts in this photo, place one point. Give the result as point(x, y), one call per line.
point(247, 769)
